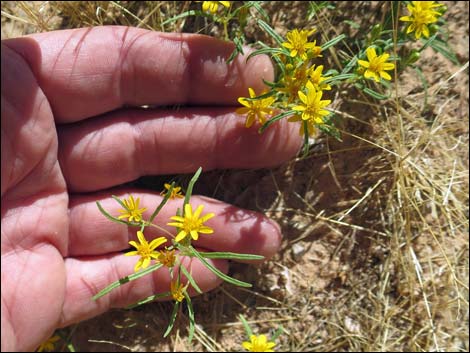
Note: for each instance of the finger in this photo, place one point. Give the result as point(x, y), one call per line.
point(88, 275)
point(125, 145)
point(235, 229)
point(88, 71)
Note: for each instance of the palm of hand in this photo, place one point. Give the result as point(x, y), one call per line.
point(57, 249)
point(34, 209)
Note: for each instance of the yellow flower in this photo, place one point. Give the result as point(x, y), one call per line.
point(175, 193)
point(255, 109)
point(312, 106)
point(298, 44)
point(421, 15)
point(177, 291)
point(132, 210)
point(145, 250)
point(213, 6)
point(167, 257)
point(316, 78)
point(311, 125)
point(315, 51)
point(258, 344)
point(48, 345)
point(191, 224)
point(377, 65)
point(293, 81)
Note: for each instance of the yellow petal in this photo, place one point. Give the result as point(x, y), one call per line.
point(242, 111)
point(188, 211)
point(146, 262)
point(247, 345)
point(181, 235)
point(131, 202)
point(198, 211)
point(426, 31)
point(385, 75)
point(205, 230)
point(207, 217)
point(250, 119)
point(175, 224)
point(194, 234)
point(366, 64)
point(134, 244)
point(177, 218)
point(370, 52)
point(157, 242)
point(131, 253)
point(138, 265)
point(302, 97)
point(141, 237)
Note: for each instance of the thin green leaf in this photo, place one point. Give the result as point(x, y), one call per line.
point(114, 219)
point(269, 30)
point(192, 322)
point(185, 14)
point(277, 333)
point(230, 256)
point(189, 191)
point(126, 279)
point(162, 203)
point(266, 51)
point(247, 327)
point(350, 65)
point(425, 85)
point(218, 273)
point(270, 84)
point(123, 205)
point(190, 279)
point(428, 42)
point(172, 319)
point(444, 49)
point(149, 299)
point(274, 119)
point(340, 77)
point(279, 63)
point(238, 41)
point(353, 24)
point(374, 94)
point(262, 96)
point(332, 42)
point(257, 6)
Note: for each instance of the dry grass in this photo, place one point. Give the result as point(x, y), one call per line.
point(375, 256)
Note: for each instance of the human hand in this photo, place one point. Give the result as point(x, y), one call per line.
point(65, 132)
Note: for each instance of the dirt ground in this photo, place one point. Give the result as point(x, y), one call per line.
point(331, 208)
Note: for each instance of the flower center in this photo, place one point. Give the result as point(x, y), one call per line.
point(375, 65)
point(144, 251)
point(191, 224)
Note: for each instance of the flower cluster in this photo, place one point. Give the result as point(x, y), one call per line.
point(422, 14)
point(376, 66)
point(189, 223)
point(258, 344)
point(213, 6)
point(299, 89)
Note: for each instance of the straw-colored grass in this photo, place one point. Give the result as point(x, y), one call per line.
point(375, 255)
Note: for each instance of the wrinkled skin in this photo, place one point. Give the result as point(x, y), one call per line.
point(70, 137)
